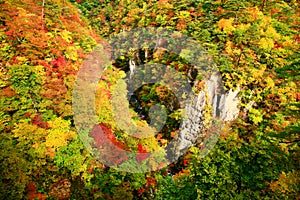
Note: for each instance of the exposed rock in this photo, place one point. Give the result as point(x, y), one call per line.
point(224, 108)
point(192, 127)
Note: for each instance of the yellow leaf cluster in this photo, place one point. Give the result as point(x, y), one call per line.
point(151, 144)
point(71, 52)
point(271, 32)
point(31, 135)
point(228, 47)
point(59, 134)
point(266, 43)
point(244, 27)
point(287, 92)
point(28, 132)
point(22, 58)
point(287, 42)
point(226, 25)
point(66, 36)
point(269, 83)
point(184, 14)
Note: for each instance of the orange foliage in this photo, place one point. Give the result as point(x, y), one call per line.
point(7, 91)
point(32, 194)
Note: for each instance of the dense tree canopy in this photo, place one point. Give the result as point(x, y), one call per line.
point(255, 45)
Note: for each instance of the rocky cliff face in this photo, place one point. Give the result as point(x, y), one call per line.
point(225, 104)
point(194, 129)
point(205, 112)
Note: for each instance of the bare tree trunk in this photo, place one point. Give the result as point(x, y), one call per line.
point(263, 5)
point(43, 5)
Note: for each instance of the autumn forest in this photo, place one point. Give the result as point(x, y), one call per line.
point(149, 99)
